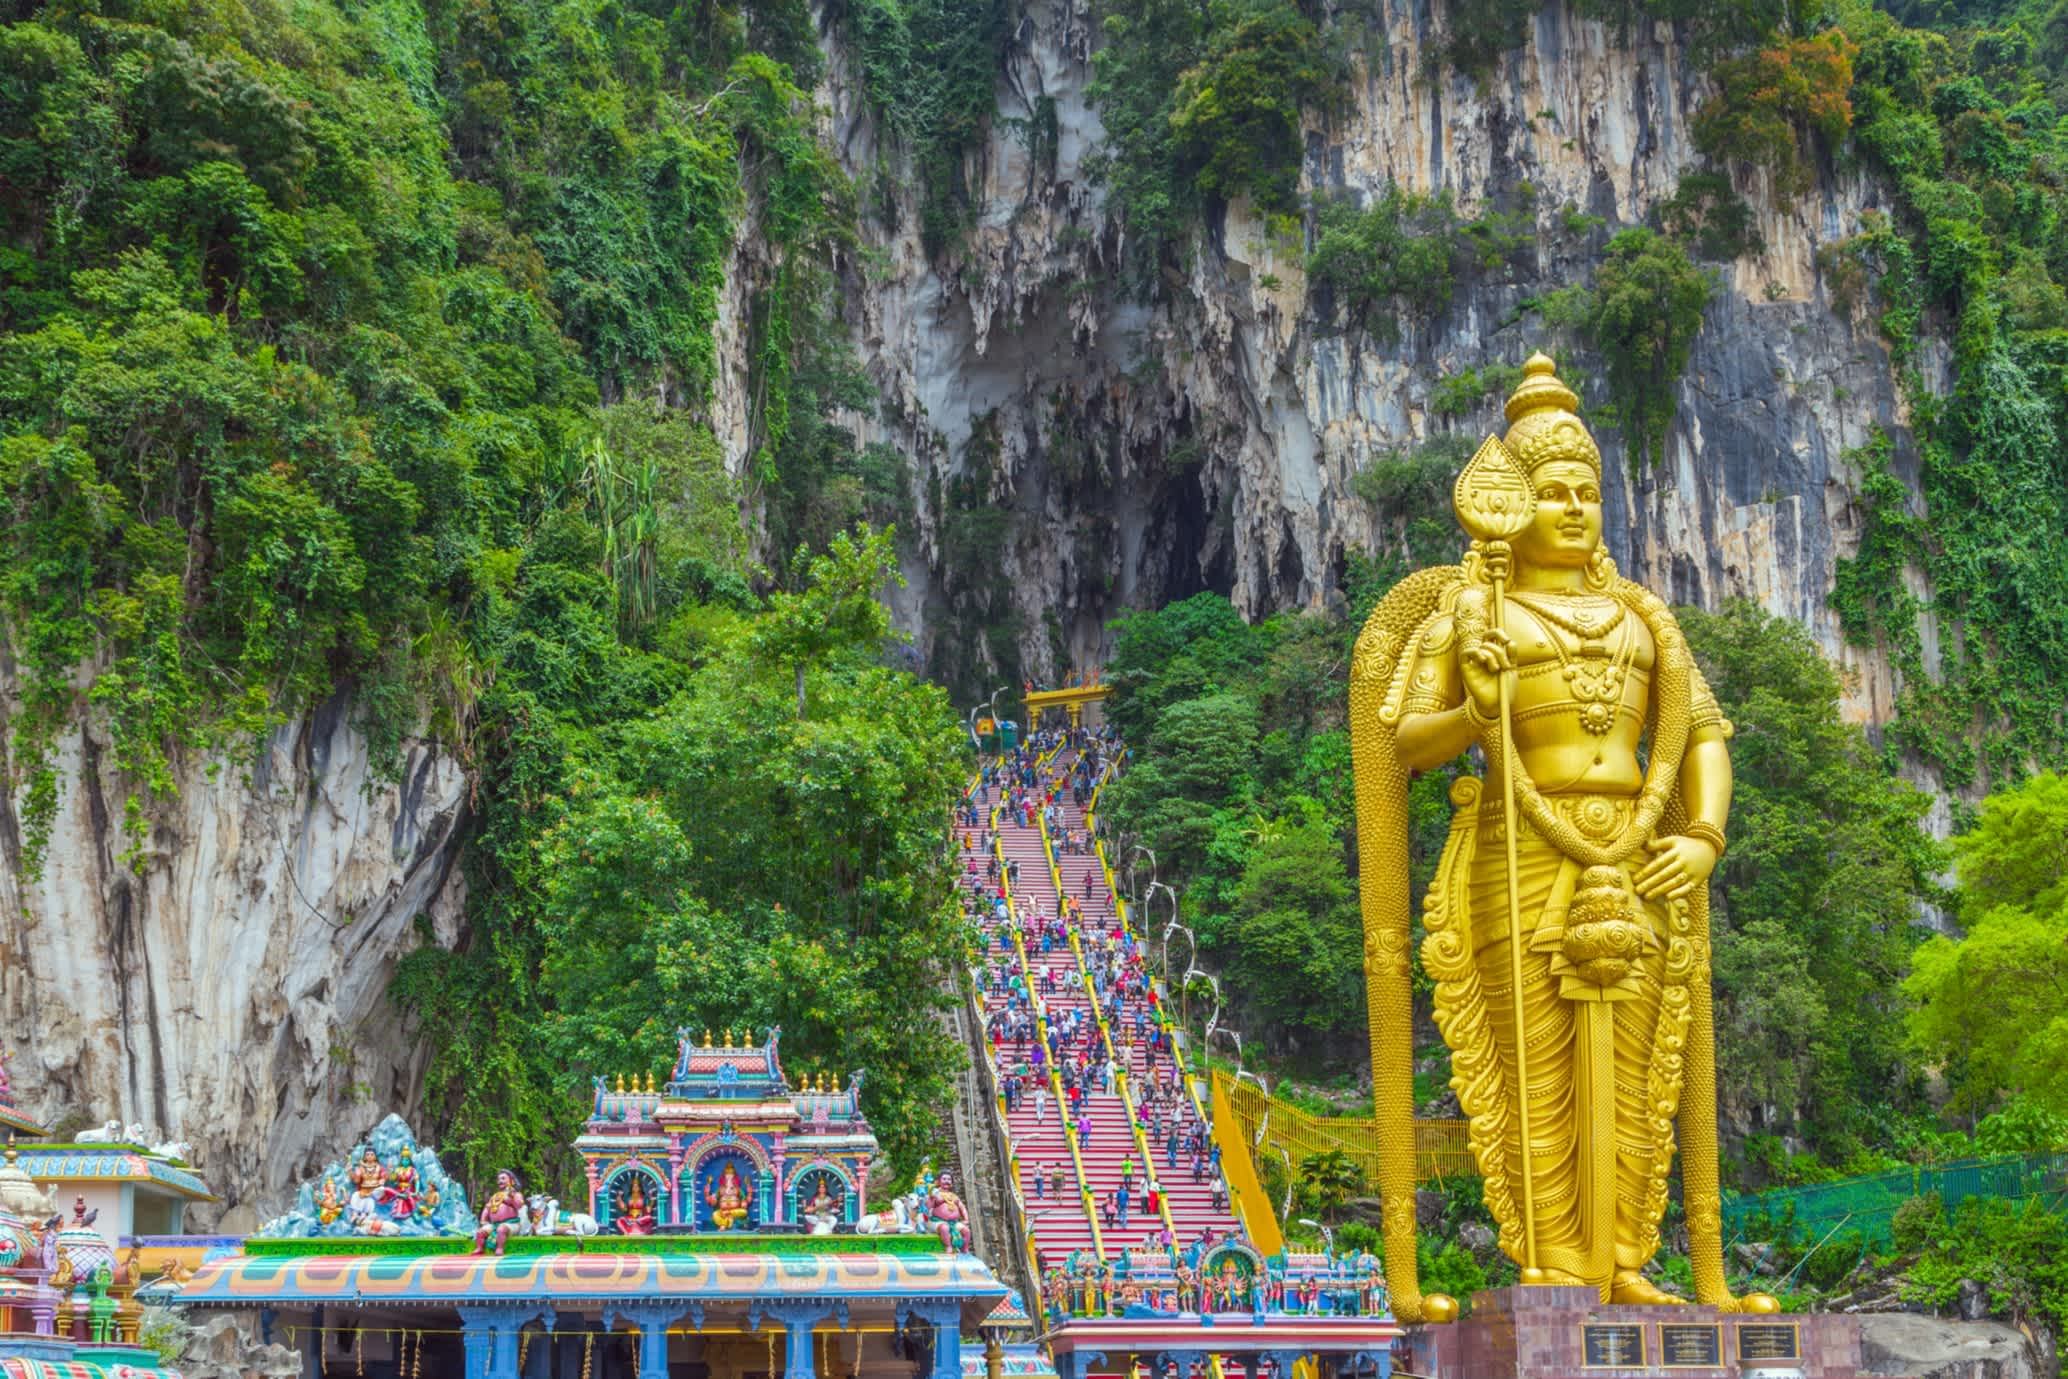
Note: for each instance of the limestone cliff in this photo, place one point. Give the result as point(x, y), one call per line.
point(231, 988)
point(1205, 439)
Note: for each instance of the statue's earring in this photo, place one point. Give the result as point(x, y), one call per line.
point(1601, 570)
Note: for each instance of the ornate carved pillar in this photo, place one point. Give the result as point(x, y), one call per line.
point(589, 1165)
point(781, 1184)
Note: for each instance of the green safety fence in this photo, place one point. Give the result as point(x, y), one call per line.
point(1868, 1204)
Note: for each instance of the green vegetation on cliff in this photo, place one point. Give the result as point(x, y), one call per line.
point(366, 348)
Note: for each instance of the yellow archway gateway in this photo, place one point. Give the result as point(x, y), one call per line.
point(1071, 697)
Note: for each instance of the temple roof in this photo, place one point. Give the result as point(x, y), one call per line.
point(449, 1280)
point(12, 1118)
point(95, 1163)
point(118, 1363)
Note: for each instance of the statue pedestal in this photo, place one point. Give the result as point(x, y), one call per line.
point(1564, 1333)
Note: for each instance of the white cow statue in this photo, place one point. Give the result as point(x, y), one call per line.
point(546, 1218)
point(901, 1219)
point(109, 1133)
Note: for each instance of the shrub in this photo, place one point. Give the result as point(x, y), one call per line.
point(1396, 257)
point(1642, 314)
point(1918, 1222)
point(1764, 98)
point(1236, 124)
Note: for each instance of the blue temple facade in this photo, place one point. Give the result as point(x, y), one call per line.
point(726, 1143)
point(728, 1236)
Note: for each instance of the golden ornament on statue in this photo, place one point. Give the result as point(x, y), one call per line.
point(1568, 922)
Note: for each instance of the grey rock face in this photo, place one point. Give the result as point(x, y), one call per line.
point(231, 988)
point(1206, 437)
point(1913, 1347)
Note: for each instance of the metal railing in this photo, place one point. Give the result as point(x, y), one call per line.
point(1441, 1150)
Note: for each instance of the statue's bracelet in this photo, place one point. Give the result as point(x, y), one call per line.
point(1473, 716)
point(1707, 832)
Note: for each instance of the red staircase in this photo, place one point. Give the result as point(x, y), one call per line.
point(1190, 1205)
point(1060, 1223)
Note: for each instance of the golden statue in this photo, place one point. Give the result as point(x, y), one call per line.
point(1571, 902)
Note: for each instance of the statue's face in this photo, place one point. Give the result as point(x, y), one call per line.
point(1567, 526)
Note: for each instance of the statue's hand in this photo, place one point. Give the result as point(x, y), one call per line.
point(1482, 662)
point(1678, 865)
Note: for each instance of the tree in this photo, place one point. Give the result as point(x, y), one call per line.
point(1817, 901)
point(1295, 949)
point(1327, 1180)
point(718, 857)
point(1642, 315)
point(1992, 1006)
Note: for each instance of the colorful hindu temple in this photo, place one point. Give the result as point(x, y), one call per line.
point(69, 1267)
point(727, 1233)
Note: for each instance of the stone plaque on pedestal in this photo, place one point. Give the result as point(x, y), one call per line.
point(1567, 1333)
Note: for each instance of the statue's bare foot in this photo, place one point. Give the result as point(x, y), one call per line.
point(1551, 1278)
point(1631, 1286)
point(1762, 1303)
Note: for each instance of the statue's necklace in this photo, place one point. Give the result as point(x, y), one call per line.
point(1596, 675)
point(1584, 617)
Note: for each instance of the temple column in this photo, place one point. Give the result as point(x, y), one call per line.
point(1284, 1360)
point(947, 1334)
point(653, 1320)
point(781, 1187)
point(476, 1340)
point(589, 1168)
point(675, 1215)
point(798, 1319)
point(491, 1337)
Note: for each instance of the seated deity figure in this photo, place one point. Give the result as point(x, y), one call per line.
point(635, 1208)
point(950, 1218)
point(822, 1212)
point(369, 1180)
point(329, 1206)
point(727, 1198)
point(502, 1215)
point(1567, 924)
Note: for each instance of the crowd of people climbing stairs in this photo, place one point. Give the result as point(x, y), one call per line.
point(1100, 1124)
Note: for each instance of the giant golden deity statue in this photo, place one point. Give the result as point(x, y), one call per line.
point(1568, 921)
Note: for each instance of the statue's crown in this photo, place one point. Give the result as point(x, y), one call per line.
point(1544, 422)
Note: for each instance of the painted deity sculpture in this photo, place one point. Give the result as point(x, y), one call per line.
point(502, 1215)
point(945, 1210)
point(822, 1212)
point(387, 1185)
point(635, 1208)
point(1567, 925)
point(329, 1206)
point(404, 1187)
point(369, 1184)
point(727, 1198)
